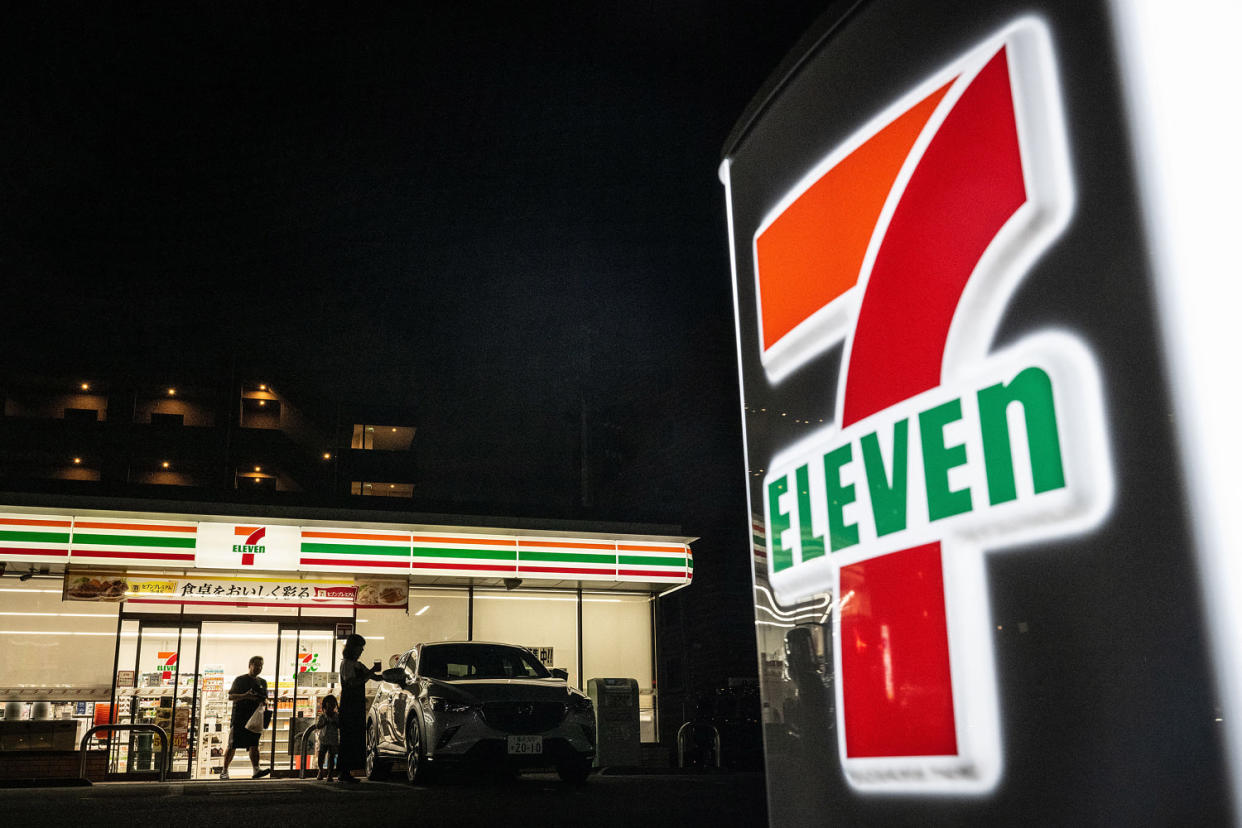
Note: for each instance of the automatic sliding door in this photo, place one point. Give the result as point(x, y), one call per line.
point(164, 695)
point(307, 673)
point(226, 650)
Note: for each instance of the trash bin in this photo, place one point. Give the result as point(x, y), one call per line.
point(617, 740)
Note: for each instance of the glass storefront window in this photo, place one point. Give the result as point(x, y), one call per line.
point(616, 643)
point(433, 615)
point(543, 621)
point(45, 643)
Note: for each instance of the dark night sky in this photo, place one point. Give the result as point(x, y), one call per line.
point(471, 211)
point(421, 193)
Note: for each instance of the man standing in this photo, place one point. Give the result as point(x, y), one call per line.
point(248, 693)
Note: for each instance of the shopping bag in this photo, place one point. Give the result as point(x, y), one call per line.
point(255, 723)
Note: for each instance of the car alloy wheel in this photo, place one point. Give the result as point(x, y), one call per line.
point(414, 770)
point(376, 767)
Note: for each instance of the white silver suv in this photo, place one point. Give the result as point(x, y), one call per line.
point(482, 704)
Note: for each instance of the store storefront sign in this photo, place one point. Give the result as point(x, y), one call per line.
point(967, 460)
point(940, 449)
point(266, 547)
point(125, 541)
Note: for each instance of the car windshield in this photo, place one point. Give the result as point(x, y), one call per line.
point(478, 661)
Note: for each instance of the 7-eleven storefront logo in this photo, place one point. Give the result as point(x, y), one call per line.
point(906, 244)
point(167, 664)
point(252, 545)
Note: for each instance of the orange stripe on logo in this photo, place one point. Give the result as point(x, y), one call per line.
point(812, 253)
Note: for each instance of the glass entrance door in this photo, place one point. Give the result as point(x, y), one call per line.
point(177, 672)
point(307, 673)
point(225, 653)
point(165, 682)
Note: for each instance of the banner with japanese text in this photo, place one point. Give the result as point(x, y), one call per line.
point(245, 591)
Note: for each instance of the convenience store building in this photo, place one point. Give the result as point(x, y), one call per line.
point(143, 616)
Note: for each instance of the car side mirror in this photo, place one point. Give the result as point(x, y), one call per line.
point(394, 675)
point(560, 673)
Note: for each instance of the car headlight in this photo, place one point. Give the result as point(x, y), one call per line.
point(440, 705)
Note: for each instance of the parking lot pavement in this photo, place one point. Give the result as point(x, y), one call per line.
point(727, 799)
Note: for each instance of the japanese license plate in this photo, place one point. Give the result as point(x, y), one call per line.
point(525, 745)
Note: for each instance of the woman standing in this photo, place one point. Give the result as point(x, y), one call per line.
point(354, 678)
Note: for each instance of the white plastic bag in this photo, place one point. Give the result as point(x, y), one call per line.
point(255, 722)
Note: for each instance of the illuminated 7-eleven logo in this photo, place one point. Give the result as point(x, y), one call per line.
point(251, 546)
point(907, 243)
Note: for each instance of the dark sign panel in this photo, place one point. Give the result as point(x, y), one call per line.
point(976, 580)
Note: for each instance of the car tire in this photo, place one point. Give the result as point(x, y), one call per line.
point(376, 768)
point(574, 771)
point(415, 756)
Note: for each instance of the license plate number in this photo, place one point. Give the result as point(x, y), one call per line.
point(525, 745)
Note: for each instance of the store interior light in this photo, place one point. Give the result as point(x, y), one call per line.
point(420, 612)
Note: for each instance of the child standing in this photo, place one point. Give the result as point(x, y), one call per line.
point(329, 737)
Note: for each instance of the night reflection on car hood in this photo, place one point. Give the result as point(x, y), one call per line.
point(470, 690)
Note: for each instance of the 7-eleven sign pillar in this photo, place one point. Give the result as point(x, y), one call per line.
point(904, 245)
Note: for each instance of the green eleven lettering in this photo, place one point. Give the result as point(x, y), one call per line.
point(888, 483)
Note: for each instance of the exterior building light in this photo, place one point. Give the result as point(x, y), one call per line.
point(86, 386)
point(327, 455)
point(258, 468)
point(262, 402)
point(262, 387)
point(165, 464)
point(172, 392)
point(77, 461)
